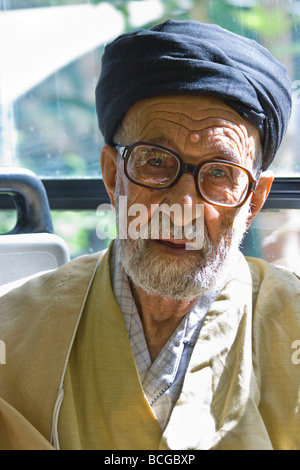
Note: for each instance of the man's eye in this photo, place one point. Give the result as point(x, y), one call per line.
point(154, 159)
point(157, 162)
point(217, 173)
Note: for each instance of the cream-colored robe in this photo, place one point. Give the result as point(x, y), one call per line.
point(241, 390)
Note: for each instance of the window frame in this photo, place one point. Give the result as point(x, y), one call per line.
point(89, 193)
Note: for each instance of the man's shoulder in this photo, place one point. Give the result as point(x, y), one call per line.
point(276, 290)
point(45, 291)
point(262, 271)
point(80, 267)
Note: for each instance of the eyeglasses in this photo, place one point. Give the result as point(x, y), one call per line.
point(218, 182)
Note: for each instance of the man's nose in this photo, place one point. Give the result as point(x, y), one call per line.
point(184, 194)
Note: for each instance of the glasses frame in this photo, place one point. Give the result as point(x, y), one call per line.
point(125, 152)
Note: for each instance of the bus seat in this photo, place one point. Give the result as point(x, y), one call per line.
point(31, 246)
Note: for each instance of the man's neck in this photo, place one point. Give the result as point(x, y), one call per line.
point(159, 316)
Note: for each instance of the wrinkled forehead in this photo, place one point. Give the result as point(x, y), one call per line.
point(181, 121)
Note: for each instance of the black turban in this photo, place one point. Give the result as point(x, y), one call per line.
point(187, 57)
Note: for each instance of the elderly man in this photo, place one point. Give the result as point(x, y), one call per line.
point(153, 345)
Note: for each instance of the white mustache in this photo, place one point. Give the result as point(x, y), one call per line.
point(162, 226)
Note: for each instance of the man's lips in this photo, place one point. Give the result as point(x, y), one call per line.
point(172, 243)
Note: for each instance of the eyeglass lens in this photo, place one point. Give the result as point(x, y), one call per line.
point(221, 183)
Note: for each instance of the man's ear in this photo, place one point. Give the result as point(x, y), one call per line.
point(260, 194)
point(109, 170)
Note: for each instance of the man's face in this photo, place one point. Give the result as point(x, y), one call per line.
point(199, 129)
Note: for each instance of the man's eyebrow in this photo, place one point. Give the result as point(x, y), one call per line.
point(163, 140)
point(166, 142)
point(224, 153)
point(230, 156)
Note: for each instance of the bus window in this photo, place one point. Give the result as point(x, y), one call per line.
point(48, 72)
